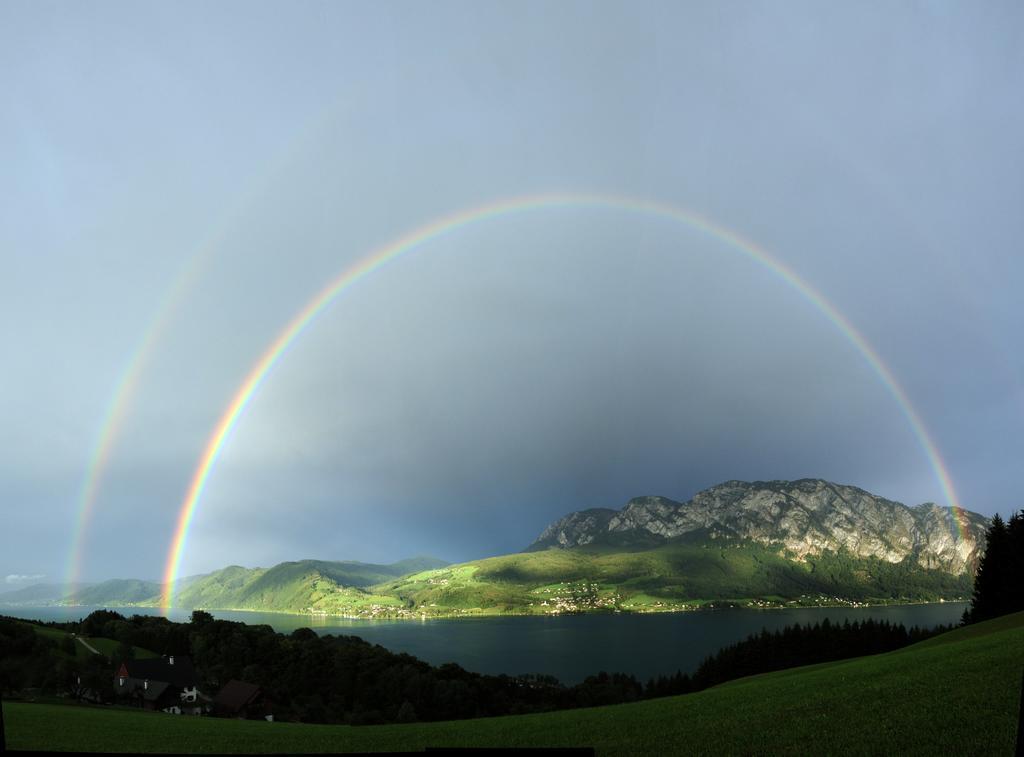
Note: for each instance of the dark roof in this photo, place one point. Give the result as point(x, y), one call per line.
point(154, 690)
point(181, 673)
point(235, 695)
point(136, 687)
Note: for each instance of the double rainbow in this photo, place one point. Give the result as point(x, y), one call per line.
point(127, 383)
point(452, 223)
point(117, 407)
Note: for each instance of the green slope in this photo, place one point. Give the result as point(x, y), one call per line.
point(211, 590)
point(671, 577)
point(304, 586)
point(956, 694)
point(318, 586)
point(676, 576)
point(39, 594)
point(117, 591)
point(106, 647)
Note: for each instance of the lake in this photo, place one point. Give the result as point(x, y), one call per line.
point(569, 647)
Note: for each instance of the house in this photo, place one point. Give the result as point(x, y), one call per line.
point(166, 683)
point(239, 699)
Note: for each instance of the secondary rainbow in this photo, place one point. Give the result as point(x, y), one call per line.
point(117, 407)
point(128, 380)
point(451, 223)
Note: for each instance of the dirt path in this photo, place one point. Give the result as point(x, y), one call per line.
point(88, 646)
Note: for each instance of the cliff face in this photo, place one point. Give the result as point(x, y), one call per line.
point(806, 517)
point(577, 529)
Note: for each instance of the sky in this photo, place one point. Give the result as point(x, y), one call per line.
point(180, 179)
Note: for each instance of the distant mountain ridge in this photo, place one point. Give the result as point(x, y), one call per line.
point(289, 586)
point(751, 544)
point(121, 591)
point(307, 585)
point(805, 517)
point(38, 593)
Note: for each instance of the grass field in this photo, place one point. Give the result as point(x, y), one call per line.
point(106, 647)
point(956, 694)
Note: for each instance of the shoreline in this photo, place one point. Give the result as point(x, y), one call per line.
point(413, 617)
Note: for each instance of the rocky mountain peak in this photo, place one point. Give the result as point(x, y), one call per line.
point(803, 517)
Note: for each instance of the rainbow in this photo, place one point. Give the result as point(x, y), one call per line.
point(127, 384)
point(959, 517)
point(113, 417)
point(451, 223)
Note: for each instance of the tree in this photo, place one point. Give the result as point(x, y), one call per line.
point(94, 679)
point(95, 624)
point(1015, 532)
point(123, 653)
point(406, 713)
point(998, 583)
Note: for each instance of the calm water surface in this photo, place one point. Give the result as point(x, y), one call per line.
point(569, 647)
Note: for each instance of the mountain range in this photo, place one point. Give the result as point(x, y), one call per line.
point(805, 517)
point(761, 544)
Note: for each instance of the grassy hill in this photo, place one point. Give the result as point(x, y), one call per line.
point(677, 576)
point(105, 647)
point(117, 591)
point(672, 577)
point(958, 693)
point(335, 587)
point(302, 586)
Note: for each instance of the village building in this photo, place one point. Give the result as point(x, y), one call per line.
point(165, 683)
point(239, 699)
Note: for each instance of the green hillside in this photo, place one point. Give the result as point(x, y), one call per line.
point(674, 577)
point(105, 647)
point(118, 591)
point(39, 594)
point(678, 576)
point(958, 693)
point(317, 586)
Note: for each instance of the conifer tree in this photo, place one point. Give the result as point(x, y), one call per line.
point(998, 588)
point(1015, 589)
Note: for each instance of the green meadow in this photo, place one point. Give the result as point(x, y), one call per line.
point(958, 693)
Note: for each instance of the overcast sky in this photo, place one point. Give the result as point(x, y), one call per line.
point(456, 402)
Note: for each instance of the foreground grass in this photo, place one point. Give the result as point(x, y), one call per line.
point(956, 694)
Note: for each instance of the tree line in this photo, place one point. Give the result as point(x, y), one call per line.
point(343, 679)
